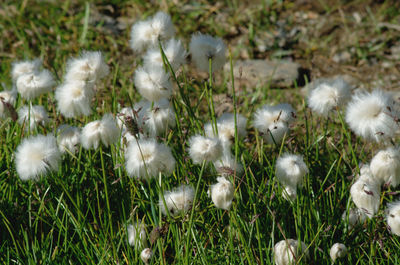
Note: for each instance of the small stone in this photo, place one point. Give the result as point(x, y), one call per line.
point(257, 72)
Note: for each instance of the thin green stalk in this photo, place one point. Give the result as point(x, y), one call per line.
point(106, 189)
point(210, 97)
point(234, 106)
point(167, 65)
point(189, 232)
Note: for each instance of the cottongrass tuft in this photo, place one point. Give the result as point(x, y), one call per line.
point(74, 98)
point(385, 166)
point(204, 149)
point(146, 255)
point(148, 32)
point(226, 128)
point(137, 235)
point(156, 118)
point(33, 116)
point(153, 83)
point(365, 193)
point(36, 156)
point(20, 68)
point(222, 193)
point(205, 47)
point(7, 100)
point(33, 84)
point(104, 130)
point(147, 158)
point(68, 138)
point(290, 170)
point(289, 250)
point(89, 67)
point(338, 250)
point(173, 50)
point(372, 115)
point(178, 201)
point(273, 121)
point(393, 217)
point(354, 217)
point(227, 166)
point(328, 96)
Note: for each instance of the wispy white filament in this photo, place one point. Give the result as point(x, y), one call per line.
point(147, 158)
point(74, 98)
point(104, 130)
point(327, 96)
point(204, 48)
point(89, 67)
point(385, 166)
point(33, 84)
point(36, 156)
point(204, 149)
point(173, 50)
point(153, 83)
point(147, 32)
point(273, 122)
point(68, 138)
point(372, 115)
point(33, 116)
point(177, 201)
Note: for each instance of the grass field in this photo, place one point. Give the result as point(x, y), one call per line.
point(80, 213)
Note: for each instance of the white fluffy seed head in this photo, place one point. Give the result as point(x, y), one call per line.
point(222, 193)
point(287, 251)
point(354, 217)
point(227, 165)
point(146, 255)
point(365, 193)
point(137, 235)
point(385, 166)
point(36, 156)
point(33, 116)
point(89, 67)
point(372, 115)
point(178, 201)
point(147, 158)
point(273, 121)
point(33, 84)
point(204, 149)
point(290, 170)
point(74, 98)
point(68, 138)
point(327, 96)
point(157, 119)
point(24, 67)
point(226, 128)
point(104, 130)
point(173, 50)
point(147, 32)
point(7, 97)
point(393, 218)
point(204, 47)
point(338, 250)
point(153, 83)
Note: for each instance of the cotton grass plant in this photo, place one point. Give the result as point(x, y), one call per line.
point(126, 181)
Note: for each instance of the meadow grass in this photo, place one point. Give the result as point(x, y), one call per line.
point(79, 214)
